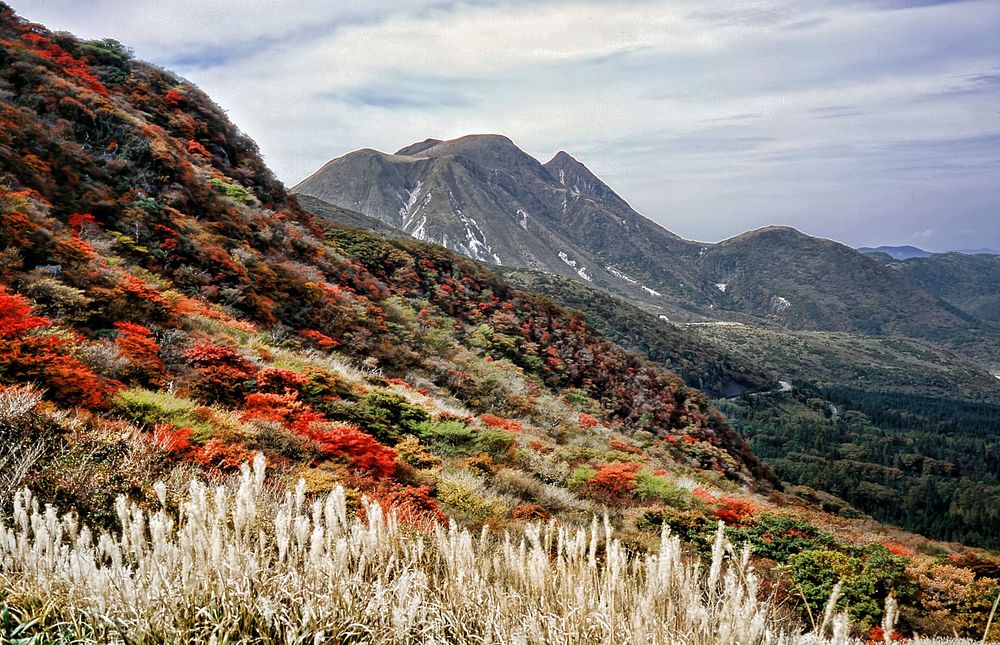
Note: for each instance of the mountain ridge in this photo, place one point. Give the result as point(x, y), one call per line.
point(484, 197)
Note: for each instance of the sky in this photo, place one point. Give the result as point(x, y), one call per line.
point(866, 121)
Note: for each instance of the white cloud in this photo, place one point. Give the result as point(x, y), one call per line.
point(848, 120)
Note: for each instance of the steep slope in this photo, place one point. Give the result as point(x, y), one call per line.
point(349, 218)
point(969, 282)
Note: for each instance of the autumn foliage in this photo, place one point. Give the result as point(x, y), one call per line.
point(613, 482)
point(29, 354)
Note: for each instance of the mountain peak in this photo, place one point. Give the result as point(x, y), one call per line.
point(417, 148)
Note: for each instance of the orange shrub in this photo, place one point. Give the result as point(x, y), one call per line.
point(613, 482)
point(412, 505)
point(733, 510)
point(621, 446)
point(492, 421)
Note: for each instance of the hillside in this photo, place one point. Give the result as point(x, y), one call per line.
point(896, 252)
point(967, 281)
point(261, 423)
point(702, 363)
point(482, 196)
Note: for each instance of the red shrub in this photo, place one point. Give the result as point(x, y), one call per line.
point(529, 512)
point(621, 446)
point(80, 222)
point(361, 450)
point(173, 98)
point(587, 421)
point(319, 339)
point(16, 318)
point(208, 353)
point(412, 505)
point(275, 379)
point(196, 148)
point(175, 441)
point(491, 421)
point(137, 345)
point(733, 510)
point(703, 495)
point(219, 454)
point(50, 51)
point(898, 549)
point(613, 482)
point(269, 406)
point(876, 636)
point(27, 356)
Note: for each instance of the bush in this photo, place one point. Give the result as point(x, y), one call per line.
point(466, 496)
point(451, 438)
point(653, 488)
point(579, 478)
point(779, 537)
point(152, 408)
point(496, 443)
point(613, 483)
point(389, 416)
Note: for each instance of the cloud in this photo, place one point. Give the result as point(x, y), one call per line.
point(858, 120)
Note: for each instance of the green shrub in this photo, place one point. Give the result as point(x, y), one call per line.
point(388, 416)
point(233, 191)
point(496, 443)
point(452, 438)
point(579, 478)
point(149, 407)
point(692, 526)
point(866, 576)
point(651, 487)
point(779, 537)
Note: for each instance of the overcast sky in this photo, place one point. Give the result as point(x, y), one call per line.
point(867, 121)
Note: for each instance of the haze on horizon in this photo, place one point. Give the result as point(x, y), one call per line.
point(867, 121)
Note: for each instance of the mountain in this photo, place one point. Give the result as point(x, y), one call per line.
point(153, 271)
point(349, 218)
point(969, 282)
point(484, 197)
point(896, 252)
point(980, 251)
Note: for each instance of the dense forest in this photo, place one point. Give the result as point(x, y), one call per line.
point(926, 464)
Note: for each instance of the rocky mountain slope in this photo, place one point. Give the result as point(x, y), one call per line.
point(482, 196)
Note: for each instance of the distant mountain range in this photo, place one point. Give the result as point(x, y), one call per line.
point(896, 252)
point(482, 196)
point(907, 252)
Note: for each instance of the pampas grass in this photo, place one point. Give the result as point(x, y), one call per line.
point(238, 562)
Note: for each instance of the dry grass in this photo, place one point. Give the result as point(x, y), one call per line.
point(237, 563)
